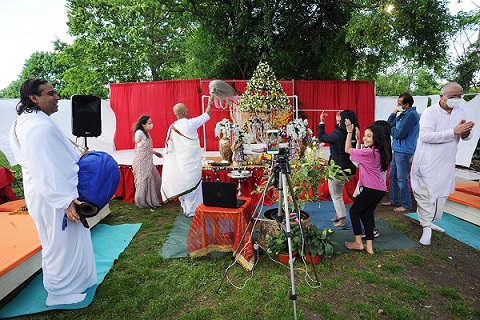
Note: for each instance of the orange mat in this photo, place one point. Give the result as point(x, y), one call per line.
point(467, 194)
point(18, 240)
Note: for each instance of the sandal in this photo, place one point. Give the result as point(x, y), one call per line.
point(400, 209)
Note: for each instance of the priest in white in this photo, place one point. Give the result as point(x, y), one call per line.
point(50, 177)
point(182, 166)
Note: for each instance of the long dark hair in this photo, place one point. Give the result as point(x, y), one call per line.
point(29, 87)
point(350, 115)
point(382, 144)
point(139, 125)
point(387, 131)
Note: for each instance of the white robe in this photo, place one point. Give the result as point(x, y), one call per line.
point(182, 165)
point(434, 159)
point(49, 167)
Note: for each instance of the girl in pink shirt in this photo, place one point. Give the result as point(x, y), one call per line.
point(372, 160)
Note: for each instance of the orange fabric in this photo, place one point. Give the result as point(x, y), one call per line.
point(11, 206)
point(18, 240)
point(222, 229)
point(467, 194)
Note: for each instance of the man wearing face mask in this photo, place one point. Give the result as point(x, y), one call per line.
point(404, 122)
point(433, 169)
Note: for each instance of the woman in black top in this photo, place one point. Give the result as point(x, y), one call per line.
point(337, 139)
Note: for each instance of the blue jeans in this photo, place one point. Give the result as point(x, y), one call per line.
point(398, 179)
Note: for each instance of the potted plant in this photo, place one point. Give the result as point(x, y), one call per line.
point(277, 244)
point(318, 244)
point(307, 173)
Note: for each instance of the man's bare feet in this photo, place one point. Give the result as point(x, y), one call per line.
point(354, 246)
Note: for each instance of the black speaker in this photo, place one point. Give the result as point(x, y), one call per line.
point(86, 116)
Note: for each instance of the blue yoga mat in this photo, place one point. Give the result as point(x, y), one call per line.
point(108, 243)
point(459, 229)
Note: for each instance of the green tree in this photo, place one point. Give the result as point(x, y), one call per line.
point(468, 62)
point(144, 40)
point(121, 41)
point(40, 64)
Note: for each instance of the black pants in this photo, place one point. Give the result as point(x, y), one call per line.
point(363, 209)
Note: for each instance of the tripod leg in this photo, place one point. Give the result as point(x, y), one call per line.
point(290, 188)
point(293, 295)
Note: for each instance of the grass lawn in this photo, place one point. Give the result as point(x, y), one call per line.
point(441, 281)
point(436, 282)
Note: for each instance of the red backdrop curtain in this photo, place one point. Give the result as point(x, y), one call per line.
point(332, 96)
point(130, 100)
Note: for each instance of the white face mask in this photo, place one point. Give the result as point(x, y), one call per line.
point(400, 108)
point(149, 126)
point(454, 102)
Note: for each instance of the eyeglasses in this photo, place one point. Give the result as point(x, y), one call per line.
point(453, 96)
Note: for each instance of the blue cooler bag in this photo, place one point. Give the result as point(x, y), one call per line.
point(98, 178)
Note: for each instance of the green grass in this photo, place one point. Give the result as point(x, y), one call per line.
point(397, 284)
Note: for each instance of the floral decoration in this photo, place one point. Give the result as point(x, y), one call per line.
point(308, 170)
point(223, 128)
point(226, 128)
point(297, 129)
point(264, 93)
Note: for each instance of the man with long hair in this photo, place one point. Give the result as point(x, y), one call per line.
point(50, 178)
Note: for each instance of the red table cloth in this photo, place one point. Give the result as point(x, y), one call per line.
point(224, 230)
point(6, 192)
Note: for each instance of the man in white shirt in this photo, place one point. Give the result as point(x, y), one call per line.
point(433, 168)
point(182, 167)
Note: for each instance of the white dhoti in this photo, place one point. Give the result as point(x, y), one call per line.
point(182, 171)
point(50, 178)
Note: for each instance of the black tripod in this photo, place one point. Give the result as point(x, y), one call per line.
point(281, 179)
point(281, 171)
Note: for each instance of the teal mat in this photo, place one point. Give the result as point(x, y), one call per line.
point(390, 239)
point(108, 243)
point(459, 229)
point(175, 246)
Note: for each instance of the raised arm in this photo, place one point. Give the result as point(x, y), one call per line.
point(348, 143)
point(209, 106)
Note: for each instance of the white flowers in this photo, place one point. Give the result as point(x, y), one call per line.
point(264, 93)
point(297, 129)
point(223, 128)
point(226, 129)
